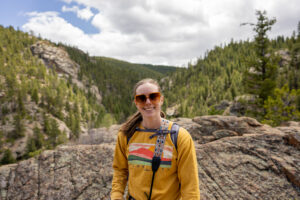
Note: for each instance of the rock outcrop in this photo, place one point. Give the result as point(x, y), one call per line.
point(253, 166)
point(173, 111)
point(99, 136)
point(238, 158)
point(285, 57)
point(237, 107)
point(213, 127)
point(69, 172)
point(57, 58)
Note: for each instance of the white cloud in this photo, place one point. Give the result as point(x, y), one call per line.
point(50, 25)
point(84, 13)
point(162, 32)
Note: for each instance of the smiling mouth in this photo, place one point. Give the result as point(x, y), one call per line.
point(148, 109)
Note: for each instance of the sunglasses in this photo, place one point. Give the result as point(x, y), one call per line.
point(153, 97)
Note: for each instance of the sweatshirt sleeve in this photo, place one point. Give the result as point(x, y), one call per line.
point(187, 167)
point(120, 167)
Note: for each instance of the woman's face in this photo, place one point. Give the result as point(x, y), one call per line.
point(149, 108)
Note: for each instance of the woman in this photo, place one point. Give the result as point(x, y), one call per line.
point(177, 175)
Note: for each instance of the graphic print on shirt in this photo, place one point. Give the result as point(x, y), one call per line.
point(142, 153)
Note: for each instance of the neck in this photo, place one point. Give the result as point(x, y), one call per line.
point(153, 123)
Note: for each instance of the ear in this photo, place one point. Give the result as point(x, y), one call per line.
point(161, 100)
point(134, 102)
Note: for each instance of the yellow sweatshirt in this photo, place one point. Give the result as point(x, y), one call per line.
point(177, 176)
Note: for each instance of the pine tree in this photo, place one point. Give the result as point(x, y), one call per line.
point(261, 73)
point(282, 107)
point(67, 106)
point(30, 145)
point(76, 127)
point(7, 158)
point(19, 130)
point(21, 107)
point(35, 143)
point(62, 138)
point(54, 133)
point(294, 73)
point(298, 34)
point(35, 96)
point(46, 124)
point(38, 138)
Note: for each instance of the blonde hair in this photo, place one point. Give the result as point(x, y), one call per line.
point(128, 128)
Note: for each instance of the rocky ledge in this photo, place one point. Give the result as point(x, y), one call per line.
point(238, 158)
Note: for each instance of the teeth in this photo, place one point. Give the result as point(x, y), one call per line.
point(148, 108)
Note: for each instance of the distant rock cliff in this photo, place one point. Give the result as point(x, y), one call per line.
point(238, 158)
point(58, 59)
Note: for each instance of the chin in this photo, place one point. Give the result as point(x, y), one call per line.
point(146, 114)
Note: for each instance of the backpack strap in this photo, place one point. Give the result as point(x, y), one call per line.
point(159, 147)
point(174, 134)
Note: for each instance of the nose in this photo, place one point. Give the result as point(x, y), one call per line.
point(148, 100)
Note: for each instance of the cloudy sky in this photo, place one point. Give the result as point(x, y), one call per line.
point(172, 32)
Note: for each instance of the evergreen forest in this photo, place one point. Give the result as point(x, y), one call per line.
point(262, 76)
point(34, 100)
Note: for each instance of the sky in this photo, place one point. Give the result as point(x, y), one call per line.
point(172, 32)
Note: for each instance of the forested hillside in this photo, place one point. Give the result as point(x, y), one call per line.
point(43, 105)
point(115, 79)
point(221, 75)
point(216, 77)
point(39, 110)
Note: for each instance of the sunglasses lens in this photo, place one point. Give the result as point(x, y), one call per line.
point(154, 96)
point(141, 98)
